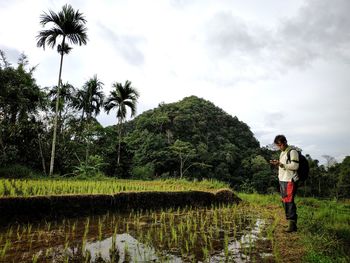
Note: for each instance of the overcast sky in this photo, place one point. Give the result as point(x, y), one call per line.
point(282, 67)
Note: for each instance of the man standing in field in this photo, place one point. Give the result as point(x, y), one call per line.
point(287, 176)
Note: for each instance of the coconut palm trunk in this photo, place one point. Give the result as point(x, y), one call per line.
point(120, 126)
point(54, 137)
point(41, 154)
point(89, 128)
point(181, 166)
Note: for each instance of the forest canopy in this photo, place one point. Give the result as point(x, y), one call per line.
point(191, 138)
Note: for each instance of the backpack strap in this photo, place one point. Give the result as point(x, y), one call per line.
point(288, 156)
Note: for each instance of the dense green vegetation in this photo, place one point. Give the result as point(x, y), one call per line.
point(191, 138)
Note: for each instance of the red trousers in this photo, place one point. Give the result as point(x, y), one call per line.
point(288, 191)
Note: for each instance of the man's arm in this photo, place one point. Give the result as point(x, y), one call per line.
point(294, 161)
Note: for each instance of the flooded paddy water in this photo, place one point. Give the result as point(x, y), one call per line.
point(226, 233)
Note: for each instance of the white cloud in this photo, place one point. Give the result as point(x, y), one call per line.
point(279, 66)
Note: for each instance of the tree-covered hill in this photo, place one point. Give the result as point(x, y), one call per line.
point(190, 138)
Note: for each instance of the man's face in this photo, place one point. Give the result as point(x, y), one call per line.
point(281, 146)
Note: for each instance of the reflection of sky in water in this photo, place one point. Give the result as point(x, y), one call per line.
point(125, 243)
point(138, 252)
point(235, 247)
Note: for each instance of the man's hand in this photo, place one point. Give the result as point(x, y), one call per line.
point(274, 162)
point(277, 163)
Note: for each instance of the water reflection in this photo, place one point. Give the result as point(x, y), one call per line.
point(215, 234)
point(131, 250)
point(127, 247)
point(236, 248)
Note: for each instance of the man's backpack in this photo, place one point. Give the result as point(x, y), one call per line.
point(303, 170)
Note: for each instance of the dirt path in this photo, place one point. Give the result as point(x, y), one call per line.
point(288, 247)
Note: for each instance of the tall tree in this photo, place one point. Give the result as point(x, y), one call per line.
point(185, 152)
point(20, 103)
point(343, 184)
point(68, 25)
point(66, 96)
point(330, 161)
point(19, 94)
point(90, 101)
point(120, 98)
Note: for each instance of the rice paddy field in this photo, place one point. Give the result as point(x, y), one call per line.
point(216, 233)
point(250, 231)
point(226, 233)
point(44, 187)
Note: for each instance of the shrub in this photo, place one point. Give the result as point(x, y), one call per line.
point(143, 172)
point(17, 171)
point(91, 168)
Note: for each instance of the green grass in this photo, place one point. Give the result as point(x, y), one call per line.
point(259, 199)
point(40, 187)
point(324, 226)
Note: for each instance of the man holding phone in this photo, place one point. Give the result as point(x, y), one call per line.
point(288, 177)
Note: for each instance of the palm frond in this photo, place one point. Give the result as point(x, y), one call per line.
point(121, 98)
point(66, 24)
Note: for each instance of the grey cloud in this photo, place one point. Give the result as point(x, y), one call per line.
point(320, 30)
point(125, 45)
point(326, 22)
point(334, 147)
point(228, 35)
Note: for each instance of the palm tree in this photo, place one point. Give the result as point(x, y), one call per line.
point(69, 25)
point(90, 100)
point(121, 98)
point(66, 92)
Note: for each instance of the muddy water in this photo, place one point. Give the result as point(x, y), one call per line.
point(216, 234)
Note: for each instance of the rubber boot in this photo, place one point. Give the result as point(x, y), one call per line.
point(292, 226)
